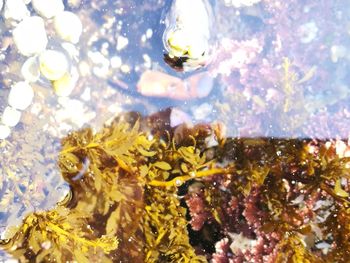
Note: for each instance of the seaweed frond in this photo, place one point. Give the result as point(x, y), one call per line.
point(166, 197)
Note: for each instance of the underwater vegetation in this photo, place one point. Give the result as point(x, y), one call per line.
point(144, 192)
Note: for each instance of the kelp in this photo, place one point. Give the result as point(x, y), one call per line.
point(129, 182)
point(114, 212)
point(165, 229)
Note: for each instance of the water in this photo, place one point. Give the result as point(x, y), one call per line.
point(278, 70)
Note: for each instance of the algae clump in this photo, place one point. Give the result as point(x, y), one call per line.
point(114, 210)
point(144, 192)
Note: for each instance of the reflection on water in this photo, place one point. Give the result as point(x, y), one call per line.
point(277, 70)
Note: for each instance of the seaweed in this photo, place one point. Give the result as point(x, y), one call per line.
point(123, 201)
point(144, 193)
point(285, 197)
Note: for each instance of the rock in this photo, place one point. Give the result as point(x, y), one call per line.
point(68, 26)
point(48, 8)
point(21, 95)
point(177, 117)
point(338, 52)
point(200, 84)
point(30, 36)
point(30, 69)
point(116, 62)
point(72, 50)
point(10, 117)
point(187, 37)
point(202, 111)
point(74, 3)
point(122, 42)
point(308, 32)
point(64, 86)
point(101, 64)
point(72, 111)
point(4, 132)
point(159, 84)
point(15, 9)
point(241, 3)
point(53, 64)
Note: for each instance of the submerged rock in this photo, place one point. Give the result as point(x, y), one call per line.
point(5, 131)
point(11, 117)
point(21, 95)
point(48, 8)
point(15, 9)
point(187, 37)
point(159, 84)
point(30, 36)
point(68, 26)
point(30, 69)
point(53, 64)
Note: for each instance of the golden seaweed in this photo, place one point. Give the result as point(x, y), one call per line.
point(124, 204)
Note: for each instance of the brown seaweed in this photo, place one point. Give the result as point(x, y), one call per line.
point(282, 197)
